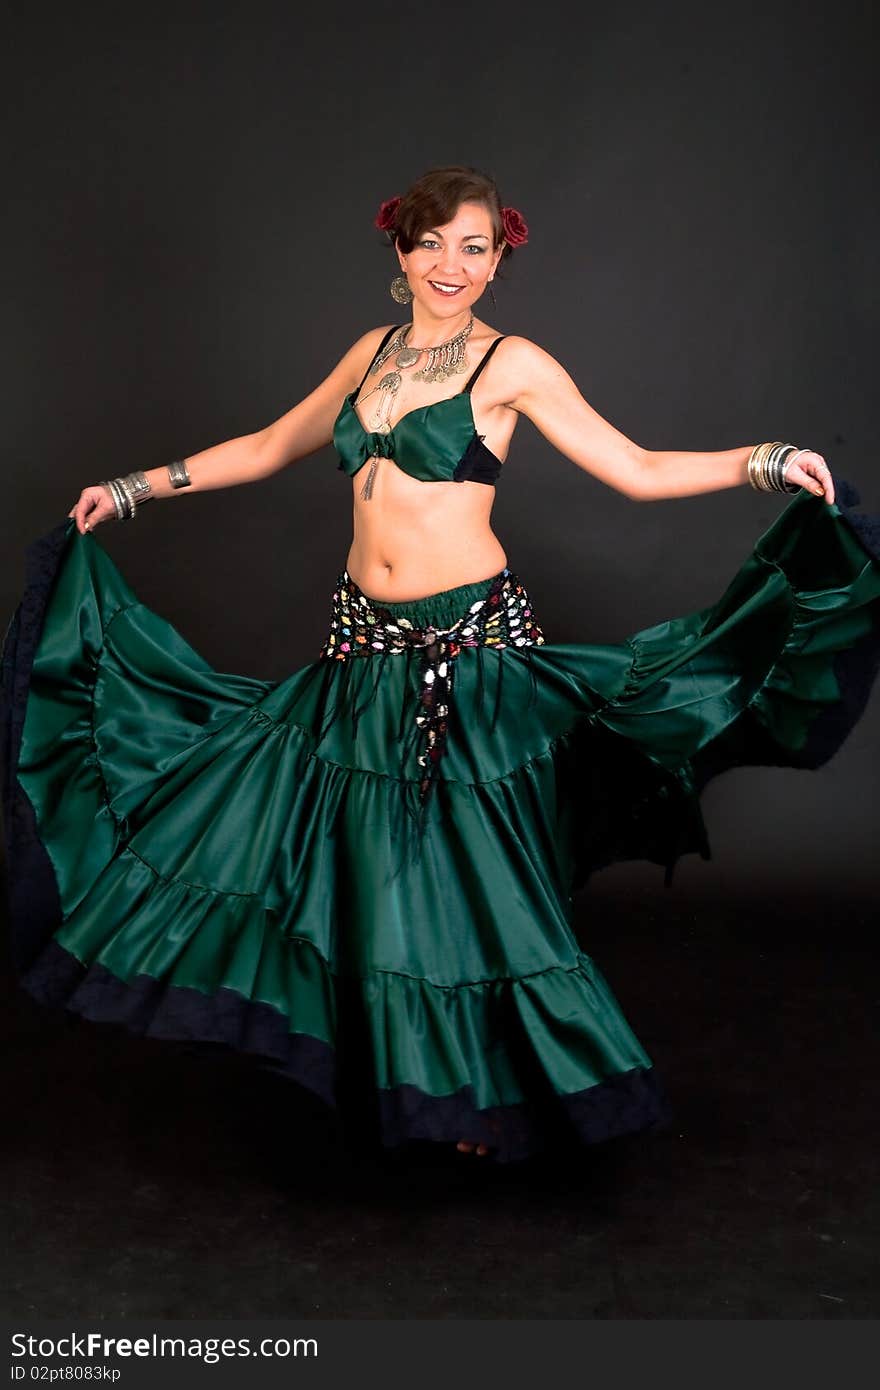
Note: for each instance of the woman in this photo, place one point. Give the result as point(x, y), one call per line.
point(431, 979)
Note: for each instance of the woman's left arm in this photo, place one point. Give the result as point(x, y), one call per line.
point(547, 395)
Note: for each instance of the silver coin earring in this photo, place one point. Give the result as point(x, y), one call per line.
point(399, 290)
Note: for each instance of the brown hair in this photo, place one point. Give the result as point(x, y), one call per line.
point(435, 198)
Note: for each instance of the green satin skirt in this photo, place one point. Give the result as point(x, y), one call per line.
point(208, 858)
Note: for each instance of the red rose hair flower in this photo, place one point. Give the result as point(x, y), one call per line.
point(516, 233)
point(387, 214)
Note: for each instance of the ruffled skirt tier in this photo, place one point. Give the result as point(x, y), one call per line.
point(219, 859)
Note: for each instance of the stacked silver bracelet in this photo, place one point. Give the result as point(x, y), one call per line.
point(768, 463)
point(133, 489)
point(127, 492)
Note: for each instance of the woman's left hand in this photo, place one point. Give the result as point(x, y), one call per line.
point(812, 472)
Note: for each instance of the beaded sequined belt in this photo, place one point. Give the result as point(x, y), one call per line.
point(360, 626)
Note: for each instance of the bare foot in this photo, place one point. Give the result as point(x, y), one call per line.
point(465, 1146)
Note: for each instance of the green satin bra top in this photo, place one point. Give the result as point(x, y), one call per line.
point(433, 443)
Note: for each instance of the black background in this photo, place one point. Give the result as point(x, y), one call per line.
point(188, 248)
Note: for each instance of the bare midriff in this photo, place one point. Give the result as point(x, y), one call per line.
point(413, 538)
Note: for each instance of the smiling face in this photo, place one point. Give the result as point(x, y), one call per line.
point(450, 266)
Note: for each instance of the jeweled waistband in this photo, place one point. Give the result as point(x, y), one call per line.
point(442, 606)
point(501, 616)
point(361, 626)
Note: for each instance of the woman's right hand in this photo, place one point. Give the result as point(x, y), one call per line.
point(94, 506)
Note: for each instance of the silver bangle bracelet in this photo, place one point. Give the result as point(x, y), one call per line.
point(143, 490)
point(776, 468)
point(128, 492)
point(177, 474)
point(767, 464)
point(105, 482)
point(119, 499)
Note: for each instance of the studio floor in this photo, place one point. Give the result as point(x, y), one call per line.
point(142, 1182)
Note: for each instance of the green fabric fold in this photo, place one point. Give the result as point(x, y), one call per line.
point(218, 832)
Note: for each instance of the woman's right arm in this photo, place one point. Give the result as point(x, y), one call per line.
point(304, 429)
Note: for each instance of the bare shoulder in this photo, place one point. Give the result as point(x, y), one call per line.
point(524, 356)
point(370, 340)
point(527, 369)
point(539, 387)
point(310, 424)
point(362, 351)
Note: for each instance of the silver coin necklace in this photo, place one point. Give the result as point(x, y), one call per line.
point(444, 360)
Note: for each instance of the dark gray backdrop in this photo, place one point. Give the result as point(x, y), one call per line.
point(189, 248)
